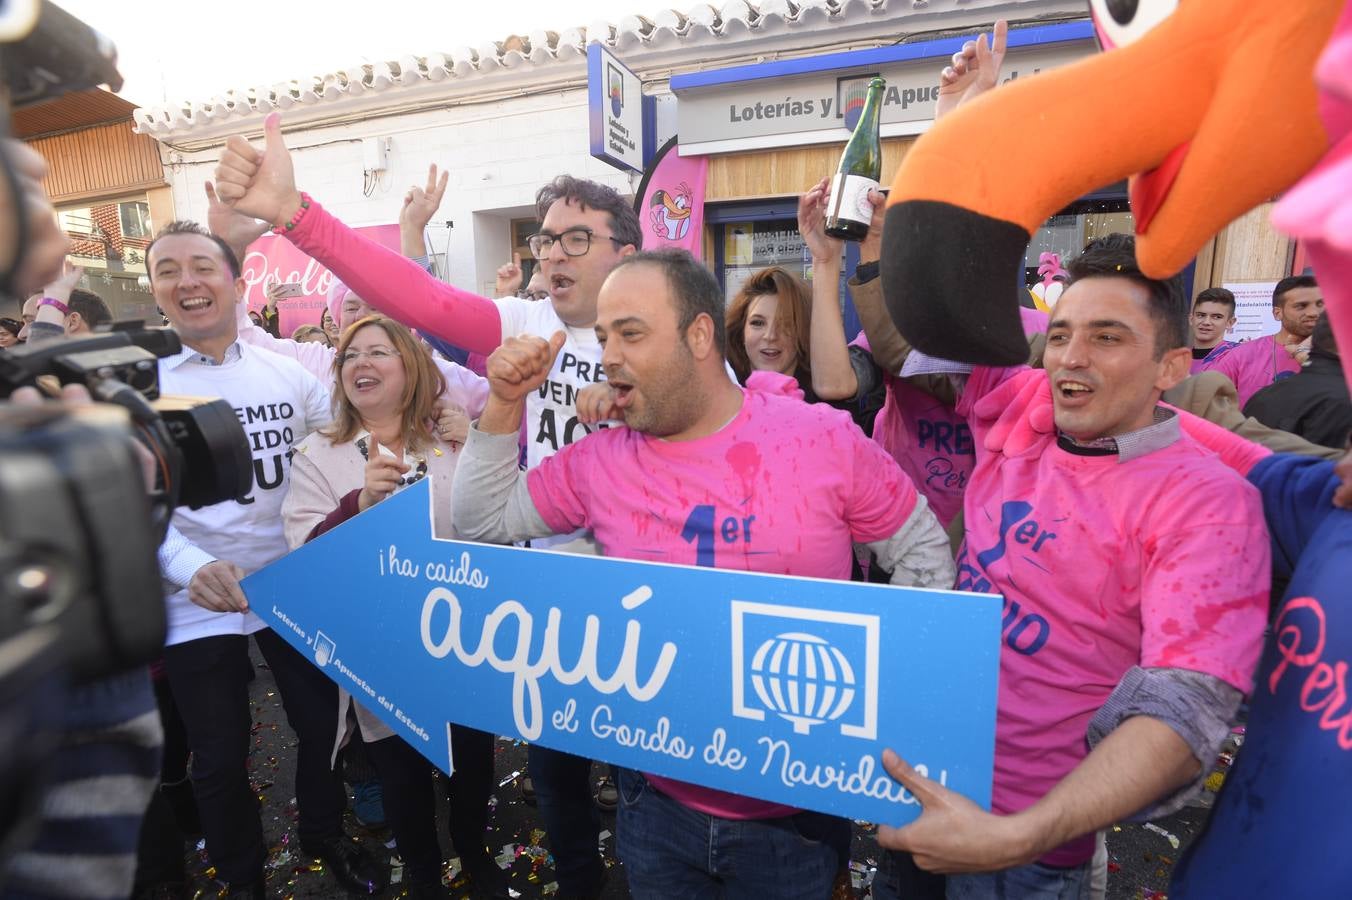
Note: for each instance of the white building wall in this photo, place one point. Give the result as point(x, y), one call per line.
point(498, 155)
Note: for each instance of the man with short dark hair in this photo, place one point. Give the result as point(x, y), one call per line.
point(794, 486)
point(194, 277)
point(1253, 365)
point(88, 312)
point(1125, 630)
point(67, 310)
point(1313, 403)
point(1213, 314)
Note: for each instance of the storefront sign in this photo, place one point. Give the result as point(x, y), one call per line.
point(810, 101)
point(621, 118)
point(272, 258)
point(786, 689)
point(1253, 310)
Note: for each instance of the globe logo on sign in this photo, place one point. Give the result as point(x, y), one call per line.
point(803, 679)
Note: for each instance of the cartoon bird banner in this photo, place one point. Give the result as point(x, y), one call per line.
point(670, 201)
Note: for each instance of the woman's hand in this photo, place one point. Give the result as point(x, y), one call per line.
point(383, 475)
point(812, 224)
point(452, 424)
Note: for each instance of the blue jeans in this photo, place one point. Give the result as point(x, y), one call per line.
point(670, 850)
point(1031, 882)
point(563, 796)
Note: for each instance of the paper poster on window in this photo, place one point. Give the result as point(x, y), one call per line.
point(1253, 310)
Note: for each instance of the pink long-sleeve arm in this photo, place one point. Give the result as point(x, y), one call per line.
point(397, 286)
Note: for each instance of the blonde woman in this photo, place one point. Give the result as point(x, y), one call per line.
point(388, 432)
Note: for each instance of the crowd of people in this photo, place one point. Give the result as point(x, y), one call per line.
point(1120, 491)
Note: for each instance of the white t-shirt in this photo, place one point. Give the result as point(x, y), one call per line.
point(278, 402)
point(551, 410)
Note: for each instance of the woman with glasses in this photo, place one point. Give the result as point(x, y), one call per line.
point(384, 437)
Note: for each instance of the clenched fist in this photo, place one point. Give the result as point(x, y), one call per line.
point(521, 364)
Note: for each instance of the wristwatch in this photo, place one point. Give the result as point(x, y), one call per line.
point(866, 272)
point(52, 301)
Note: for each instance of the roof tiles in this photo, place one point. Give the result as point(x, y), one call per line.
point(703, 34)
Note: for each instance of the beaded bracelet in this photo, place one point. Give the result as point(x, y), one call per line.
point(295, 220)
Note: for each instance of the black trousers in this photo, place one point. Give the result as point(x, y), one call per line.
point(159, 853)
point(209, 678)
point(410, 806)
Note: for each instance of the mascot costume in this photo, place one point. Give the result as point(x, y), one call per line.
point(1209, 107)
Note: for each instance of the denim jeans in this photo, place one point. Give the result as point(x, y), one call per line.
point(563, 796)
point(1034, 881)
point(670, 850)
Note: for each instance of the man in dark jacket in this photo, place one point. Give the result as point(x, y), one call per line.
point(1313, 403)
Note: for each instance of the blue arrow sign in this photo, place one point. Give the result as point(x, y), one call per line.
point(781, 688)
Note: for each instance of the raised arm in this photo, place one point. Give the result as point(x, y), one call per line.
point(973, 71)
point(420, 205)
point(832, 376)
point(262, 184)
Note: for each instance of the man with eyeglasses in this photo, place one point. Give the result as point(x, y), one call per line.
point(586, 229)
point(537, 288)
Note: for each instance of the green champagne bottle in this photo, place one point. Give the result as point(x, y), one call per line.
point(848, 210)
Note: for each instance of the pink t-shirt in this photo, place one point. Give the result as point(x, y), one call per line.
point(785, 488)
point(1160, 561)
point(929, 440)
point(1255, 364)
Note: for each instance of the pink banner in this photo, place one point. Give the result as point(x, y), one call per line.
point(671, 201)
point(274, 258)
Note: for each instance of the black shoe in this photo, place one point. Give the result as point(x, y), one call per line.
point(607, 795)
point(352, 867)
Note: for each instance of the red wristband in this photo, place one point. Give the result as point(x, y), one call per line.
point(52, 301)
point(295, 219)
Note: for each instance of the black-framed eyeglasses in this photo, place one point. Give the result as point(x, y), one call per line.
point(575, 241)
